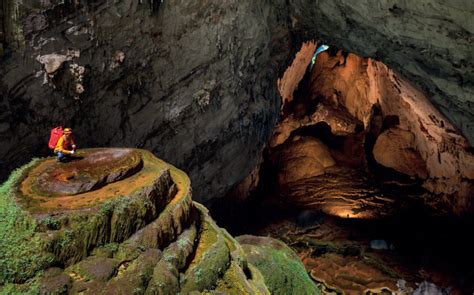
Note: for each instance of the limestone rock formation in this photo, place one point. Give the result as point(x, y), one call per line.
point(188, 81)
point(365, 101)
point(302, 158)
point(139, 232)
point(429, 42)
point(204, 77)
point(279, 265)
point(395, 148)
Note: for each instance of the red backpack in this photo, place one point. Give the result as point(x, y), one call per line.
point(56, 133)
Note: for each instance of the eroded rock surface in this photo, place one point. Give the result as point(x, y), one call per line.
point(188, 81)
point(430, 42)
point(371, 113)
point(395, 148)
point(86, 171)
point(203, 76)
point(139, 234)
point(302, 158)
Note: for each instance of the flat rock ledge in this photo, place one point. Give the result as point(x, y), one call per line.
point(89, 170)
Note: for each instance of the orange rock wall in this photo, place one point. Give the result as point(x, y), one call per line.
point(357, 84)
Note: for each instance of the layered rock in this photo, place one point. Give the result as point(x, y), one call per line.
point(139, 233)
point(449, 163)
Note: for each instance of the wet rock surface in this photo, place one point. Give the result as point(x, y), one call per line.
point(87, 170)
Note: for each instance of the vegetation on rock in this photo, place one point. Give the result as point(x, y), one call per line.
point(143, 235)
point(282, 269)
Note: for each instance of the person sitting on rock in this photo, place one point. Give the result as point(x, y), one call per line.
point(65, 147)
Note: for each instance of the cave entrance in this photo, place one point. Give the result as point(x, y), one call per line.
point(346, 178)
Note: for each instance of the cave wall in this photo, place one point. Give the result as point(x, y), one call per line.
point(191, 81)
point(421, 143)
point(428, 41)
point(196, 82)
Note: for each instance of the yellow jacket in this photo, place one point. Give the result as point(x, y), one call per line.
point(64, 146)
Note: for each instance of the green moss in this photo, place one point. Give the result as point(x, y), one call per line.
point(282, 269)
point(30, 288)
point(50, 223)
point(107, 250)
point(21, 254)
point(212, 257)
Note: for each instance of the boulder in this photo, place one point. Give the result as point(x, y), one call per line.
point(304, 157)
point(280, 266)
point(395, 148)
point(52, 62)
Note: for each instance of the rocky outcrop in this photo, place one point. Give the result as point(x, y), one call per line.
point(363, 84)
point(92, 170)
point(395, 148)
point(295, 72)
point(429, 42)
point(203, 76)
point(302, 158)
point(139, 234)
point(279, 265)
point(372, 112)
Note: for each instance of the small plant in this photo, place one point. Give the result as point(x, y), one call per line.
point(51, 223)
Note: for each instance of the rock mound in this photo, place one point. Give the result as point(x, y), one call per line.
point(138, 232)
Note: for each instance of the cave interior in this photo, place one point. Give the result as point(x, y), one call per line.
point(344, 181)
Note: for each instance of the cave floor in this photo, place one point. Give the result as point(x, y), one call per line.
point(360, 235)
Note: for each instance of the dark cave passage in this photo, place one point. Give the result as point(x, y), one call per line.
point(344, 182)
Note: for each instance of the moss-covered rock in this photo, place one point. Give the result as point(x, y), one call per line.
point(62, 230)
point(139, 234)
point(165, 279)
point(95, 268)
point(133, 277)
point(54, 281)
point(211, 259)
point(21, 253)
point(282, 269)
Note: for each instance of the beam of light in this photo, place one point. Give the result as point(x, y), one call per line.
point(320, 49)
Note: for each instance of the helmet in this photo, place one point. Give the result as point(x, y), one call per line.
point(67, 131)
